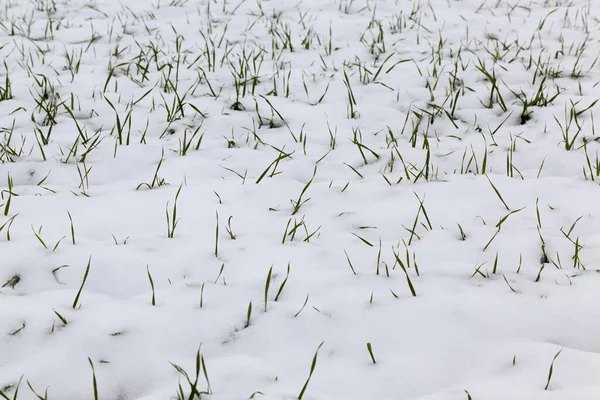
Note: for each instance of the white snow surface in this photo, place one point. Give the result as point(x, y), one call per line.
point(436, 221)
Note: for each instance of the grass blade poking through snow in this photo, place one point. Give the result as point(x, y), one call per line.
point(217, 235)
point(551, 369)
point(365, 241)
point(38, 236)
point(303, 305)
point(497, 193)
point(194, 392)
point(350, 263)
point(370, 349)
point(229, 230)
point(38, 396)
point(511, 288)
point(87, 271)
point(248, 315)
point(72, 228)
point(172, 220)
point(151, 285)
point(62, 319)
point(16, 394)
point(7, 225)
point(298, 203)
point(410, 285)
point(10, 195)
point(267, 285)
point(283, 283)
point(12, 281)
point(94, 379)
point(312, 369)
point(209, 389)
point(202, 296)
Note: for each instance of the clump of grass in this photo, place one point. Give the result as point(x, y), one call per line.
point(352, 112)
point(194, 392)
point(172, 219)
point(9, 387)
point(490, 76)
point(12, 281)
point(10, 193)
point(572, 126)
point(300, 202)
point(7, 225)
point(6, 87)
point(427, 226)
point(39, 237)
point(157, 181)
point(37, 395)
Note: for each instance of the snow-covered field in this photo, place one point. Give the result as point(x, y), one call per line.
point(315, 199)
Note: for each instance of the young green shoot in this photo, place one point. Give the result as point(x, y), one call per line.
point(370, 349)
point(172, 219)
point(94, 382)
point(267, 286)
point(550, 371)
point(202, 295)
point(303, 305)
point(497, 193)
point(85, 275)
point(312, 369)
point(408, 280)
point(248, 315)
point(282, 286)
point(217, 235)
point(300, 202)
point(72, 227)
point(153, 301)
point(350, 263)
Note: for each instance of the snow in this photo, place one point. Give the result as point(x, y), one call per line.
point(459, 238)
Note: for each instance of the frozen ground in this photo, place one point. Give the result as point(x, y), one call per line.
point(410, 185)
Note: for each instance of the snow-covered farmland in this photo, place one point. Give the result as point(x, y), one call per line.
point(315, 199)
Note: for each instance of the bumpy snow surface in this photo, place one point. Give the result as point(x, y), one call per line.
point(316, 199)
